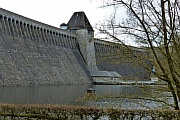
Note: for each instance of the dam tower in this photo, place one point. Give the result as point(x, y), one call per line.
point(80, 24)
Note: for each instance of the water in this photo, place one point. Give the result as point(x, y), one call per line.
point(66, 94)
point(73, 94)
point(125, 97)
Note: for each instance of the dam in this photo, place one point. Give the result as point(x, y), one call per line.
point(34, 53)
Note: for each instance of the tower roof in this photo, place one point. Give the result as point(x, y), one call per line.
point(79, 20)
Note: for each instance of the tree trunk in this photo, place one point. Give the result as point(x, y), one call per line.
point(169, 59)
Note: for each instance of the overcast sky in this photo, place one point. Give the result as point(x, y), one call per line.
point(55, 12)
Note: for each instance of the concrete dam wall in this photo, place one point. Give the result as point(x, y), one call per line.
point(115, 57)
point(33, 53)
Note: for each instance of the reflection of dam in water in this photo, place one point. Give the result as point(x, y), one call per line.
point(42, 94)
point(61, 94)
point(69, 94)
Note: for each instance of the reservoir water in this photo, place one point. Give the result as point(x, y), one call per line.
point(73, 94)
point(42, 94)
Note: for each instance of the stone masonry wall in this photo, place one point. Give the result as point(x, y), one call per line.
point(33, 53)
point(115, 57)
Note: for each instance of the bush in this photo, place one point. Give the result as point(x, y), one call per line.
point(67, 112)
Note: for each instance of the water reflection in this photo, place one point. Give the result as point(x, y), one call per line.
point(42, 94)
point(127, 97)
point(118, 89)
point(69, 94)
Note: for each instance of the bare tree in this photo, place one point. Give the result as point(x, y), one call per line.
point(154, 24)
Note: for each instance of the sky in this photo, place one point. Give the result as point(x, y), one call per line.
point(55, 12)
